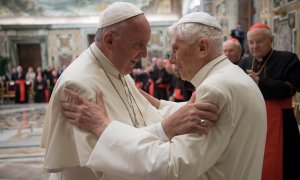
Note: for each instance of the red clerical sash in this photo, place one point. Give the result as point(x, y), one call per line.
point(177, 94)
point(273, 157)
point(21, 84)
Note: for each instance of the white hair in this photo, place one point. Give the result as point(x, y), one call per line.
point(191, 32)
point(230, 42)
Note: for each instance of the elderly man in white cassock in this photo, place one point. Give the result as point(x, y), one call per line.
point(120, 43)
point(233, 148)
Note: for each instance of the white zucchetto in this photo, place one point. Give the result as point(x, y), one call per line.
point(117, 12)
point(201, 18)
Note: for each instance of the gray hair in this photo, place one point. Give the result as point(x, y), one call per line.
point(101, 31)
point(191, 32)
point(236, 44)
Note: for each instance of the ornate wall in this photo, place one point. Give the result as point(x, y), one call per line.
point(63, 27)
point(58, 8)
point(220, 11)
point(283, 17)
point(63, 46)
point(3, 44)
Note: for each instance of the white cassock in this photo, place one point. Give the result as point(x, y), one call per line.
point(232, 150)
point(69, 148)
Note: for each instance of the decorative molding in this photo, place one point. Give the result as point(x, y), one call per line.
point(285, 31)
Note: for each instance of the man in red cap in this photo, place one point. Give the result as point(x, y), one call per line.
point(277, 74)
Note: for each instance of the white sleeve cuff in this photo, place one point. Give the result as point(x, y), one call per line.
point(161, 132)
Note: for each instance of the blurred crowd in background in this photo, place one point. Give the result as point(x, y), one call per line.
point(160, 79)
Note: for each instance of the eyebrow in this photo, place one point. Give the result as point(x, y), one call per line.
point(262, 38)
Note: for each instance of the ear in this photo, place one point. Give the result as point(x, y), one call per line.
point(203, 45)
point(108, 39)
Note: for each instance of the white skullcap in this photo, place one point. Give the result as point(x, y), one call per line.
point(201, 18)
point(118, 12)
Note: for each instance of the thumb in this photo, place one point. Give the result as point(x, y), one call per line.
point(99, 97)
point(193, 98)
point(249, 71)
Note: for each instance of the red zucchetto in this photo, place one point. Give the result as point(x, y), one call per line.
point(234, 40)
point(261, 26)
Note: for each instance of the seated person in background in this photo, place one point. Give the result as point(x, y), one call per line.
point(30, 75)
point(40, 87)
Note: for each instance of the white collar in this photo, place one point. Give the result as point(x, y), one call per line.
point(203, 72)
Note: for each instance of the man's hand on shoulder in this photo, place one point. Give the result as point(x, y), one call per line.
point(86, 115)
point(194, 117)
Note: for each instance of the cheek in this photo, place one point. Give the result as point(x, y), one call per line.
point(252, 47)
point(184, 55)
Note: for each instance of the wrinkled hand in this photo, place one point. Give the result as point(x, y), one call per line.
point(253, 75)
point(187, 119)
point(86, 115)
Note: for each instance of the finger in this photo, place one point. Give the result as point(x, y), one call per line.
point(69, 107)
point(209, 124)
point(101, 101)
point(193, 98)
point(207, 106)
point(99, 97)
point(204, 129)
point(70, 117)
point(74, 95)
point(211, 116)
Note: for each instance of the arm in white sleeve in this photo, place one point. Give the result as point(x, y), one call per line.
point(136, 154)
point(126, 153)
point(156, 130)
point(166, 108)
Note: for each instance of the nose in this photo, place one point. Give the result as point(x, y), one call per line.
point(226, 53)
point(171, 58)
point(143, 52)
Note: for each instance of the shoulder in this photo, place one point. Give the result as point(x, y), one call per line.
point(245, 63)
point(246, 60)
point(285, 57)
point(285, 54)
